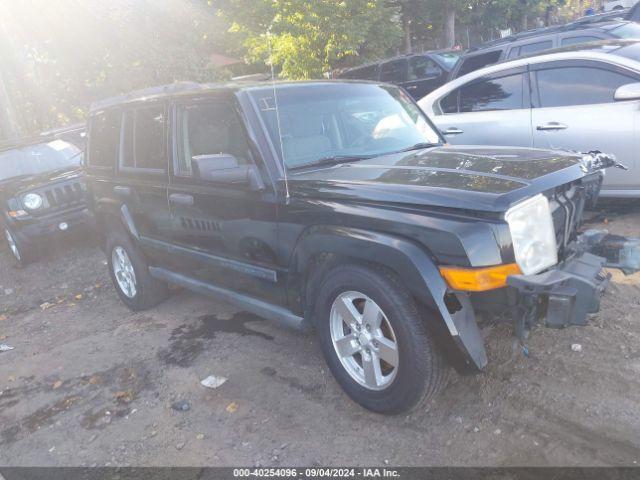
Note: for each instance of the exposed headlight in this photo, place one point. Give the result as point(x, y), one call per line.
point(533, 235)
point(32, 201)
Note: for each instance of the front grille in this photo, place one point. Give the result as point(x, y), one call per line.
point(61, 196)
point(567, 205)
point(65, 195)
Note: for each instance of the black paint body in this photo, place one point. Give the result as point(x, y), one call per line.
point(408, 212)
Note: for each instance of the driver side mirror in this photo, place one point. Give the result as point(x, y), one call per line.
point(631, 91)
point(224, 168)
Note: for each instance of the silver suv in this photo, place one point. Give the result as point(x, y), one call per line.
point(579, 98)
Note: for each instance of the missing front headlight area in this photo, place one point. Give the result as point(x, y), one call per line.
point(532, 234)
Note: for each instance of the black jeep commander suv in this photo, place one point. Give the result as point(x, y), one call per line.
point(338, 205)
point(42, 191)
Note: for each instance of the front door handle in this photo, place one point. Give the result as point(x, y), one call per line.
point(551, 126)
point(453, 131)
point(181, 199)
point(411, 87)
point(122, 191)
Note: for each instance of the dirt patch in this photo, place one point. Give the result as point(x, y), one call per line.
point(91, 383)
point(189, 340)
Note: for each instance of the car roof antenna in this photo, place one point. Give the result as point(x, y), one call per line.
point(275, 104)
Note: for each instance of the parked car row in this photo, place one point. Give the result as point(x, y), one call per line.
point(578, 98)
point(418, 74)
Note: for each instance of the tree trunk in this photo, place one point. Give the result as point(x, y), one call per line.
point(450, 26)
point(406, 29)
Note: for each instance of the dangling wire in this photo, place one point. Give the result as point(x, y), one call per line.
point(275, 101)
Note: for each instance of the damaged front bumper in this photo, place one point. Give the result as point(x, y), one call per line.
point(566, 294)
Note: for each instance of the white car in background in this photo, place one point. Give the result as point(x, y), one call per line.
point(582, 98)
point(618, 5)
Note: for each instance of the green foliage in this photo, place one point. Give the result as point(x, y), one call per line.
point(307, 39)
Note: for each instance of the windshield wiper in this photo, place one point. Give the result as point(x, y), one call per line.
point(333, 160)
point(419, 146)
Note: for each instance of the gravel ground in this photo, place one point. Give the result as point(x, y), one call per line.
point(91, 383)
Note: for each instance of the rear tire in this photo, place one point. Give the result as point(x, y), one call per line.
point(130, 273)
point(21, 253)
point(387, 361)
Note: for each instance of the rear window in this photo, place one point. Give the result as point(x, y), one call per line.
point(535, 47)
point(393, 72)
point(628, 30)
point(578, 40)
point(449, 59)
point(504, 93)
point(475, 62)
point(370, 72)
point(570, 86)
point(104, 134)
point(143, 139)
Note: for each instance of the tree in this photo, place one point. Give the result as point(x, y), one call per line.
point(305, 39)
point(60, 56)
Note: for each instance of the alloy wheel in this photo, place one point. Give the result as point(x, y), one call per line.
point(12, 244)
point(123, 271)
point(364, 340)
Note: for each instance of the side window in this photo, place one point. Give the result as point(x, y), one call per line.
point(514, 53)
point(504, 93)
point(535, 47)
point(143, 139)
point(104, 138)
point(369, 73)
point(449, 104)
point(475, 62)
point(568, 86)
point(576, 40)
point(207, 133)
point(422, 67)
point(393, 72)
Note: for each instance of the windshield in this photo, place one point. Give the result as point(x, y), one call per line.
point(320, 121)
point(449, 58)
point(39, 158)
point(628, 30)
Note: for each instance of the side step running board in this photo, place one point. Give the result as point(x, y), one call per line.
point(252, 305)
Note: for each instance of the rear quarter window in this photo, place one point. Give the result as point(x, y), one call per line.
point(104, 138)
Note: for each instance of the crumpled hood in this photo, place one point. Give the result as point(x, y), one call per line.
point(467, 177)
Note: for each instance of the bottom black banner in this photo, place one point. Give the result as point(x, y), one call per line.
point(405, 473)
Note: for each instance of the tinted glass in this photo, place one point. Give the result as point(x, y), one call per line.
point(422, 67)
point(209, 129)
point(514, 53)
point(471, 64)
point(448, 58)
point(369, 73)
point(104, 138)
point(628, 30)
point(149, 138)
point(535, 47)
point(561, 87)
point(577, 40)
point(393, 71)
point(632, 51)
point(504, 93)
point(330, 120)
point(35, 159)
point(449, 104)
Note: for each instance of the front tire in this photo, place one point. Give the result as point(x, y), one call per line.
point(374, 341)
point(130, 274)
point(20, 252)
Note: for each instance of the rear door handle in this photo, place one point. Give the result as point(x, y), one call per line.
point(551, 126)
point(411, 87)
point(453, 131)
point(181, 199)
point(122, 191)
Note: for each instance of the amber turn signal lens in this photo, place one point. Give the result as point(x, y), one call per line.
point(17, 213)
point(479, 279)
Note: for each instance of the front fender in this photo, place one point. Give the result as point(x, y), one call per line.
point(415, 268)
